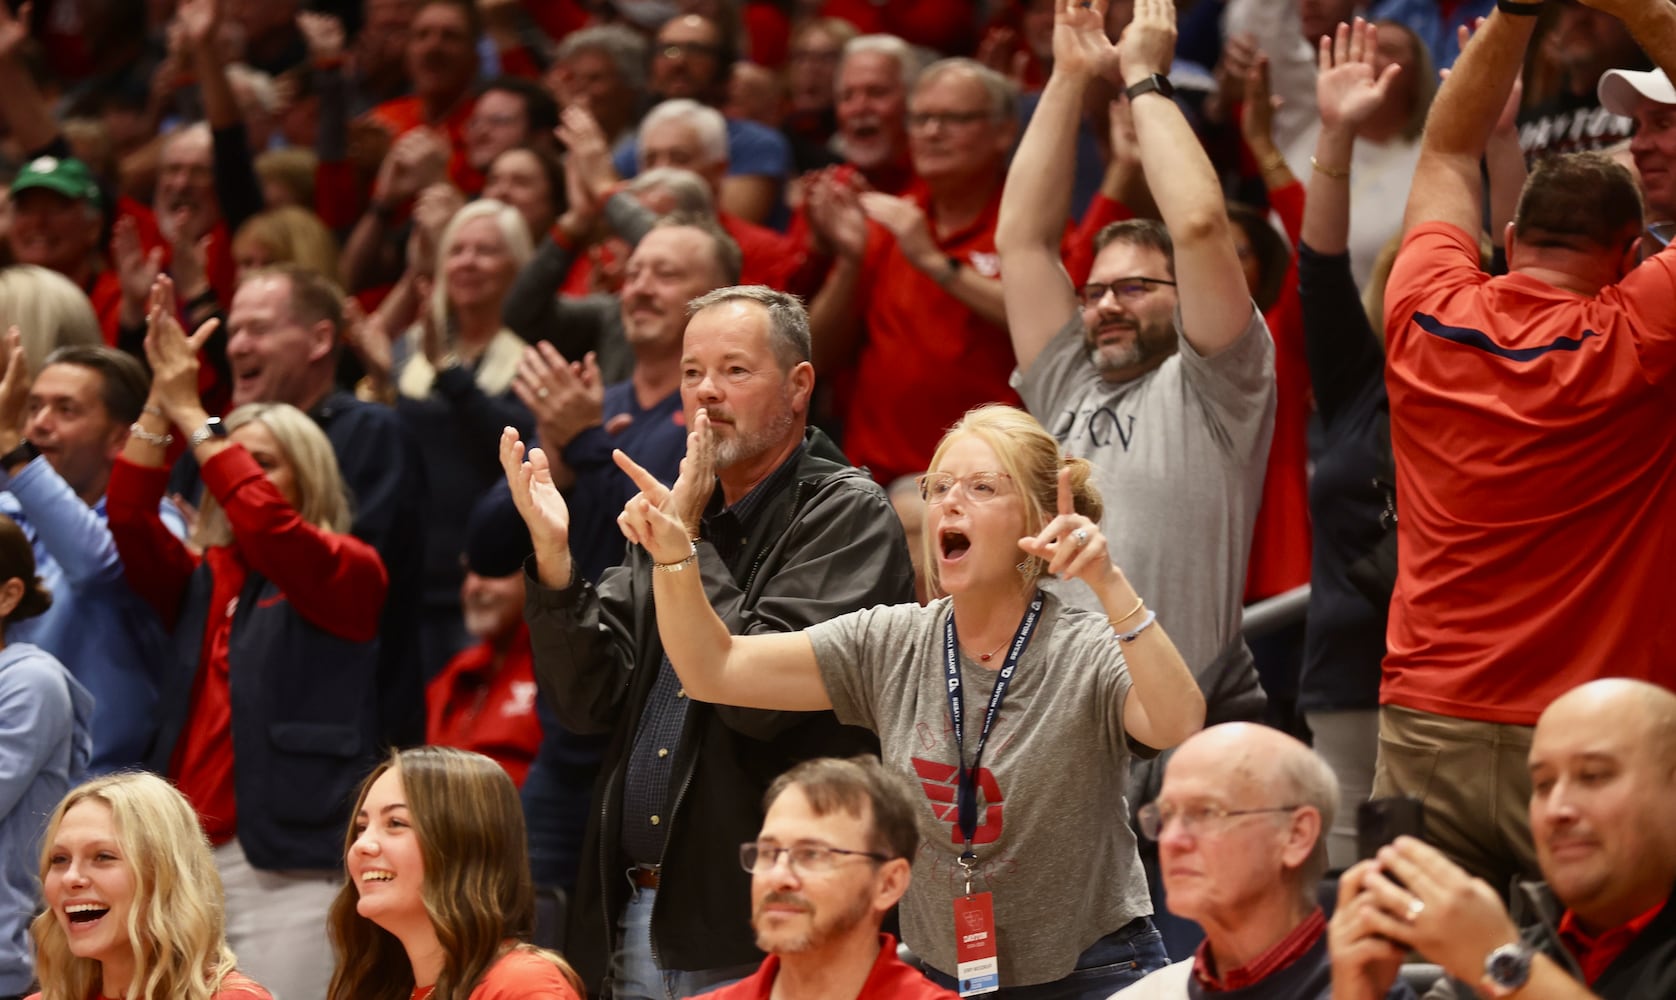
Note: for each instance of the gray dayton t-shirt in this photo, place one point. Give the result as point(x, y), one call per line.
point(1180, 455)
point(1053, 839)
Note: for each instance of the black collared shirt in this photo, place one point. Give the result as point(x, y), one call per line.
point(647, 798)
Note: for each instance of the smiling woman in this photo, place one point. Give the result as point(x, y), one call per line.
point(133, 899)
point(439, 902)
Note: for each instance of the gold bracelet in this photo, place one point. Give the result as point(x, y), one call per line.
point(1329, 171)
point(1273, 163)
point(1140, 602)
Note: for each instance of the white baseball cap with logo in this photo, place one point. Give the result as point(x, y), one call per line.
point(1620, 90)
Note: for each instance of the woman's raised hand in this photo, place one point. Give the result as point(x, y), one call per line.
point(173, 355)
point(1071, 544)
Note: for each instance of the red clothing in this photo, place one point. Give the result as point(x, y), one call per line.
point(524, 975)
point(943, 25)
point(334, 582)
point(474, 706)
point(778, 260)
point(404, 114)
point(1280, 545)
point(769, 31)
point(106, 296)
point(1079, 245)
point(1595, 953)
point(235, 986)
point(1536, 482)
point(1283, 953)
point(891, 979)
point(925, 357)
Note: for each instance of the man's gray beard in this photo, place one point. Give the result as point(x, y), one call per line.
point(732, 451)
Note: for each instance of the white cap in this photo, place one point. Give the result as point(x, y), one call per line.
point(1620, 88)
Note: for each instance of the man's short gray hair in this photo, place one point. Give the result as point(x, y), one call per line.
point(788, 321)
point(1304, 779)
point(706, 122)
point(1002, 92)
point(690, 192)
point(625, 47)
point(908, 60)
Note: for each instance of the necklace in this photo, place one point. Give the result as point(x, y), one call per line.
point(984, 657)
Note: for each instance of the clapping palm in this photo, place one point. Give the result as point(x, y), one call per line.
point(1080, 44)
point(1347, 90)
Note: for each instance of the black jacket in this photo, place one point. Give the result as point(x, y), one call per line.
point(830, 544)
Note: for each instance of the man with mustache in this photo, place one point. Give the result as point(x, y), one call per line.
point(1160, 369)
point(1602, 771)
point(785, 534)
point(834, 855)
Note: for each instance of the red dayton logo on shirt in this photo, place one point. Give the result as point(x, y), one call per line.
point(940, 784)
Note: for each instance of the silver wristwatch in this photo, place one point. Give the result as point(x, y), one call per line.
point(1508, 968)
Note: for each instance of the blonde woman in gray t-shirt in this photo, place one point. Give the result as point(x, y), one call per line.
point(1040, 766)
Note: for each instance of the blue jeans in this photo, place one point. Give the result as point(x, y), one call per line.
point(1123, 957)
point(635, 976)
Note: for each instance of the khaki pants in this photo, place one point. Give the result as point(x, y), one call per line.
point(1475, 783)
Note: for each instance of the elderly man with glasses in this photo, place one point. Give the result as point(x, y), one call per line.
point(1241, 827)
point(834, 855)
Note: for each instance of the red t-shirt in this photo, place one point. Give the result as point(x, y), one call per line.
point(524, 975)
point(925, 357)
point(1536, 482)
point(404, 114)
point(891, 978)
point(491, 713)
point(235, 986)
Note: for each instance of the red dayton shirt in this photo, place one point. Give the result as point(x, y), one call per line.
point(475, 706)
point(891, 979)
point(334, 582)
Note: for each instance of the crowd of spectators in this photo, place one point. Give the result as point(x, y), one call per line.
point(369, 367)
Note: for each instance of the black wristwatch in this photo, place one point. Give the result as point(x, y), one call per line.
point(1157, 83)
point(212, 428)
point(23, 454)
point(1508, 968)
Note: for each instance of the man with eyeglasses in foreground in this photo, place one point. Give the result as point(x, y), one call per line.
point(1241, 826)
point(1160, 370)
point(834, 855)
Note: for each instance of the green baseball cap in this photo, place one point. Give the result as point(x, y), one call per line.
point(68, 177)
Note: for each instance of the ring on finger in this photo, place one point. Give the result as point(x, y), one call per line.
point(543, 393)
point(1080, 536)
point(1416, 906)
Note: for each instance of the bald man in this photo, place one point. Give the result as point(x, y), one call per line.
point(1241, 823)
point(1603, 816)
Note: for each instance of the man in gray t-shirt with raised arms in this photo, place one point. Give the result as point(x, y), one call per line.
point(1160, 370)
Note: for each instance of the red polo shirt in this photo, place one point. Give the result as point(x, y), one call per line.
point(474, 706)
point(1596, 953)
point(926, 358)
point(1284, 952)
point(1536, 481)
point(891, 979)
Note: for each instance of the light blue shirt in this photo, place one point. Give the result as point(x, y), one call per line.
point(44, 746)
point(111, 640)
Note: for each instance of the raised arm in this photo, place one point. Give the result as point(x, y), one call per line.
point(1209, 279)
point(1447, 184)
point(21, 103)
point(1347, 91)
point(769, 670)
point(1035, 288)
point(1652, 25)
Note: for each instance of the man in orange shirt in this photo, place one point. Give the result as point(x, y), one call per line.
point(1536, 475)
